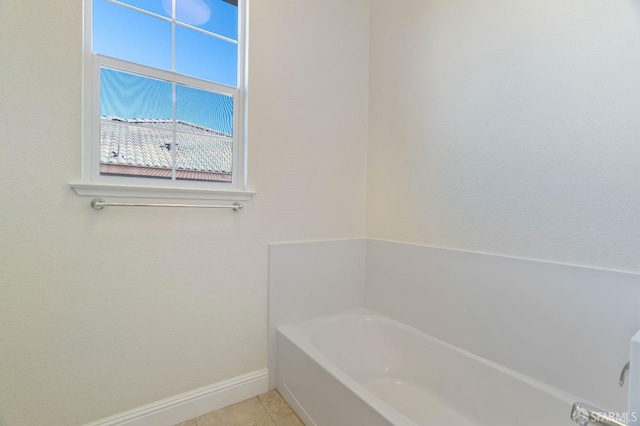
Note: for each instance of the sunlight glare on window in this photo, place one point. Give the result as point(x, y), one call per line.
point(192, 12)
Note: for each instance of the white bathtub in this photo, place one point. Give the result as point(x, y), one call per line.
point(361, 368)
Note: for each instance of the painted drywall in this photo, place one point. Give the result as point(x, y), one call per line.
point(106, 311)
point(508, 127)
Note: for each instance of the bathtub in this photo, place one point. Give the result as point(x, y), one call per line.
point(361, 368)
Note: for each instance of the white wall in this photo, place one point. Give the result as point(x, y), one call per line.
point(507, 127)
point(106, 311)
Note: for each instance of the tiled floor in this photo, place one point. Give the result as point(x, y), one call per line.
point(268, 409)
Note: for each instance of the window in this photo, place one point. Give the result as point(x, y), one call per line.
point(164, 97)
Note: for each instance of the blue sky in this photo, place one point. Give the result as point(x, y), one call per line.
point(137, 37)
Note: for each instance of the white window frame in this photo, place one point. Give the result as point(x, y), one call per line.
point(95, 184)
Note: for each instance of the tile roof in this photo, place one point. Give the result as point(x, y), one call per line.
point(148, 143)
point(181, 125)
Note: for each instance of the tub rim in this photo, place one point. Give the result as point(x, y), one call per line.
point(299, 335)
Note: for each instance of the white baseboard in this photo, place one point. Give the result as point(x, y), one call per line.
point(188, 405)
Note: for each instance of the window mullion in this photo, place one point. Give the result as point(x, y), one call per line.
point(209, 33)
point(173, 35)
point(174, 124)
point(138, 9)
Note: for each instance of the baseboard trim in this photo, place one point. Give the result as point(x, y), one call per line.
point(188, 405)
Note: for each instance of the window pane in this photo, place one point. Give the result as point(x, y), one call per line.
point(210, 111)
point(161, 8)
point(205, 149)
point(136, 125)
point(128, 96)
point(206, 57)
point(204, 158)
point(130, 35)
point(217, 16)
point(131, 150)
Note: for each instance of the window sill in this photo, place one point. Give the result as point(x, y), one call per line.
point(106, 190)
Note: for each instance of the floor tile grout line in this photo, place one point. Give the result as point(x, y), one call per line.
point(265, 407)
point(273, 419)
